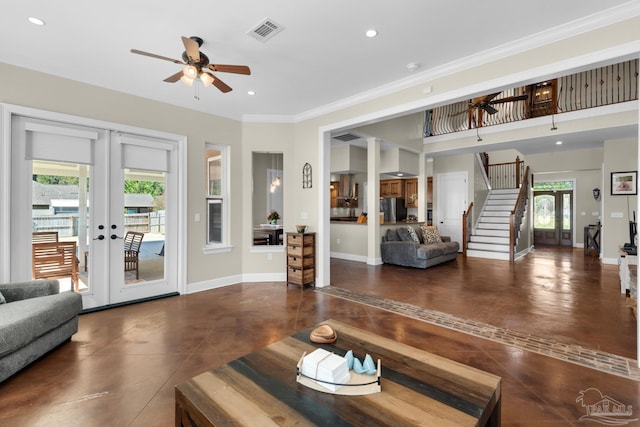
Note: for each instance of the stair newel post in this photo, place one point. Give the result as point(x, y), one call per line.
point(518, 161)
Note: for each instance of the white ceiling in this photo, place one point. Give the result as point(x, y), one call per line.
point(321, 58)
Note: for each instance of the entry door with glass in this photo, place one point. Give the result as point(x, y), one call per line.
point(108, 194)
point(553, 217)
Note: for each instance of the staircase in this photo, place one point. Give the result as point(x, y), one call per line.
point(490, 239)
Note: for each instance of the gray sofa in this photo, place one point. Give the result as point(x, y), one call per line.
point(398, 247)
point(34, 319)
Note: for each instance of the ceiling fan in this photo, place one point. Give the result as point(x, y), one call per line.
point(487, 103)
point(196, 66)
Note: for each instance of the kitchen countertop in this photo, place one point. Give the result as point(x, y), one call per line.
point(349, 220)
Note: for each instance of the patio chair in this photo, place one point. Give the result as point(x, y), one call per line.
point(55, 260)
point(132, 243)
point(44, 236)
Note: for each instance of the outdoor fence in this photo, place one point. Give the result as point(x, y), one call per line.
point(67, 224)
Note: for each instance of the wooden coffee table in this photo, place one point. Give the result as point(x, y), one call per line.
point(417, 388)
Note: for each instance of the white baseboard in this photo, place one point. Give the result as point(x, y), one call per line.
point(348, 257)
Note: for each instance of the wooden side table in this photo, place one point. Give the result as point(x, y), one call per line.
point(301, 259)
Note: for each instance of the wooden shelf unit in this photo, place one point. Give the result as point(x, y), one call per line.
point(301, 259)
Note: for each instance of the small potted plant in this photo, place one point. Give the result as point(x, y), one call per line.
point(273, 217)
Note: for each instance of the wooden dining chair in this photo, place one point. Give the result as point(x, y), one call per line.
point(132, 243)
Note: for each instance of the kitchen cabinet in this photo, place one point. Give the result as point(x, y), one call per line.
point(392, 188)
point(411, 188)
point(301, 259)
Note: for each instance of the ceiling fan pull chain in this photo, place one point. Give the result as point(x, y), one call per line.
point(196, 90)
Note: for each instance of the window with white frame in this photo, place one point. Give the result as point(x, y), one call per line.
point(217, 194)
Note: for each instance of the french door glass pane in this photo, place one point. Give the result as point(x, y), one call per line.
point(144, 212)
point(566, 211)
point(60, 211)
point(544, 211)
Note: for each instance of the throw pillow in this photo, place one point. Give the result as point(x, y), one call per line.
point(2, 300)
point(391, 235)
point(404, 235)
point(413, 234)
point(430, 234)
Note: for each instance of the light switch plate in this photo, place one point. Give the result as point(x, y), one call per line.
point(617, 215)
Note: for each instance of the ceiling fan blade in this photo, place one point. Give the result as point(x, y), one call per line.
point(489, 109)
point(192, 48)
point(174, 78)
point(237, 69)
point(509, 99)
point(153, 55)
point(490, 97)
point(224, 88)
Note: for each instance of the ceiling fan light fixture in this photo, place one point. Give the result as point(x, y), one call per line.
point(186, 80)
point(190, 71)
point(206, 78)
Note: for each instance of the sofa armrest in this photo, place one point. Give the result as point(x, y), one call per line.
point(445, 238)
point(31, 289)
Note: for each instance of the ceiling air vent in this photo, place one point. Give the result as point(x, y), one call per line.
point(347, 137)
point(265, 30)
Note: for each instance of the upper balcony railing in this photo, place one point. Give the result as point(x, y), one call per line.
point(606, 85)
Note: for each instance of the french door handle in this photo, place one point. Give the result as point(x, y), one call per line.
point(114, 237)
point(100, 237)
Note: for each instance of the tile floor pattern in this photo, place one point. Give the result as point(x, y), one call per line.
point(579, 355)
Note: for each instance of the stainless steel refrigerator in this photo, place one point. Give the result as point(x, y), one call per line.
point(393, 209)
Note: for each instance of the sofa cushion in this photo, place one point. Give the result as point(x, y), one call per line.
point(432, 250)
point(24, 321)
point(429, 251)
point(413, 234)
point(404, 235)
point(391, 235)
point(430, 234)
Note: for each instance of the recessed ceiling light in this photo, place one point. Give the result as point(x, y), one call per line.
point(36, 21)
point(371, 33)
point(412, 66)
point(558, 142)
point(251, 93)
point(400, 174)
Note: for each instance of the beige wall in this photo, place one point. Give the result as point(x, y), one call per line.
point(619, 156)
point(37, 90)
point(301, 141)
point(584, 167)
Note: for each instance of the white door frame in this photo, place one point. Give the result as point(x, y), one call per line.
point(7, 111)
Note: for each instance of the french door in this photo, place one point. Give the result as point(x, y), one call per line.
point(92, 186)
point(553, 218)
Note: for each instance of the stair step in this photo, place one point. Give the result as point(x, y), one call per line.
point(502, 202)
point(501, 240)
point(492, 247)
point(506, 191)
point(491, 232)
point(492, 226)
point(490, 213)
point(488, 255)
point(498, 207)
point(494, 219)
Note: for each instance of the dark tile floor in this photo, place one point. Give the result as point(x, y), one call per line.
point(122, 365)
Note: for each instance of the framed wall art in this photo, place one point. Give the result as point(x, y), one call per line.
point(624, 183)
